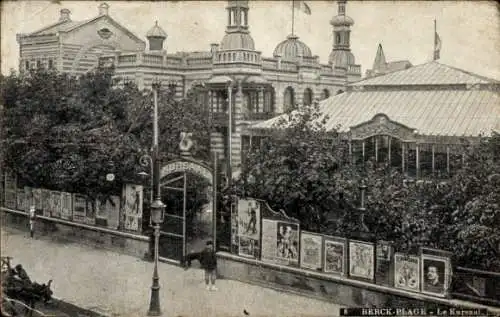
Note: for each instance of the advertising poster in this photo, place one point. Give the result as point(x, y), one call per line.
point(22, 203)
point(334, 256)
point(435, 275)
point(90, 211)
point(269, 240)
point(310, 250)
point(248, 227)
point(46, 204)
point(37, 200)
point(109, 209)
point(383, 273)
point(361, 260)
point(132, 207)
point(406, 272)
point(66, 206)
point(10, 198)
point(287, 243)
point(56, 203)
point(79, 208)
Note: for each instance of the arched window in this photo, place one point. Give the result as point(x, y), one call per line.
point(337, 37)
point(325, 94)
point(308, 97)
point(288, 99)
point(269, 101)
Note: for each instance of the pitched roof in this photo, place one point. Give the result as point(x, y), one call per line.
point(432, 73)
point(430, 112)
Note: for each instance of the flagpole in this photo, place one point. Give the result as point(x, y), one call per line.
point(293, 14)
point(435, 39)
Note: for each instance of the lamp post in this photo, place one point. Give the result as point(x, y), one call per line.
point(362, 208)
point(157, 209)
point(147, 161)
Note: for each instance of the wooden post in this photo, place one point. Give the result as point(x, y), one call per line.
point(214, 202)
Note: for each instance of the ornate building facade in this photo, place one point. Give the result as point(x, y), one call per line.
point(233, 81)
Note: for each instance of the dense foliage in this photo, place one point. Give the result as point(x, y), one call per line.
point(306, 172)
point(67, 133)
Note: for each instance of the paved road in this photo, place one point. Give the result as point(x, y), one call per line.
point(119, 285)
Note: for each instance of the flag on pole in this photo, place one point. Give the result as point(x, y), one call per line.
point(302, 6)
point(437, 43)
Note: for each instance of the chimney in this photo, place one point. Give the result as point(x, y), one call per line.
point(103, 9)
point(65, 15)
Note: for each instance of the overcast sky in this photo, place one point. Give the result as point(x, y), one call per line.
point(469, 30)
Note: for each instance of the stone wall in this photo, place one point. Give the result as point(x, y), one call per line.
point(339, 290)
point(65, 231)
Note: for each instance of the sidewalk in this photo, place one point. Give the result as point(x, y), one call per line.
point(119, 285)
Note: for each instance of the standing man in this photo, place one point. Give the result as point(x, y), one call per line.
point(32, 220)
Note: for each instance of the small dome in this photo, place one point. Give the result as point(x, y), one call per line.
point(341, 58)
point(234, 41)
point(292, 48)
point(342, 20)
point(156, 31)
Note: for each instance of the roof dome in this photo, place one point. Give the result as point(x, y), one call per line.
point(156, 31)
point(342, 20)
point(341, 58)
point(292, 48)
point(234, 41)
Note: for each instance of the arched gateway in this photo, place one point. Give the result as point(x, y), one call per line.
point(175, 240)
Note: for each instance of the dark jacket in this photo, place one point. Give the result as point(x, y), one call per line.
point(207, 259)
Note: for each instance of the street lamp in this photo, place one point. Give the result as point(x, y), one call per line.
point(157, 209)
point(362, 208)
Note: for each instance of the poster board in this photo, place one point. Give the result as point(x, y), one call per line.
point(37, 200)
point(66, 206)
point(132, 207)
point(56, 203)
point(22, 203)
point(10, 190)
point(407, 272)
point(234, 228)
point(249, 217)
point(90, 211)
point(361, 260)
point(383, 270)
point(109, 210)
point(311, 247)
point(435, 272)
point(79, 208)
point(46, 203)
point(335, 255)
point(281, 242)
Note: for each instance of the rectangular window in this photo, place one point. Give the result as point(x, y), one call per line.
point(27, 65)
point(38, 64)
point(51, 64)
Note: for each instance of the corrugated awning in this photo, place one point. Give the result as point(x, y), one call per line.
point(219, 80)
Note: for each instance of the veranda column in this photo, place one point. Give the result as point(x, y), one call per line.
point(433, 159)
point(260, 100)
point(389, 152)
point(417, 160)
point(350, 152)
point(403, 158)
point(376, 148)
point(363, 150)
point(448, 159)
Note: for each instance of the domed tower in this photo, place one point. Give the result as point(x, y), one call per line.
point(237, 30)
point(341, 55)
point(156, 36)
point(292, 49)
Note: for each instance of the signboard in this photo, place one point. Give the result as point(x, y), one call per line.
point(361, 260)
point(66, 206)
point(186, 166)
point(310, 250)
point(383, 274)
point(10, 190)
point(79, 208)
point(248, 227)
point(56, 203)
point(132, 207)
point(280, 242)
point(334, 257)
point(406, 272)
point(435, 275)
point(46, 204)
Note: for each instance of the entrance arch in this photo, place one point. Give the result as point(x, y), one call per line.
point(176, 239)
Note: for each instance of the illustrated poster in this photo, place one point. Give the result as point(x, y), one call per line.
point(287, 246)
point(248, 227)
point(66, 206)
point(56, 203)
point(132, 207)
point(406, 272)
point(79, 208)
point(46, 204)
point(361, 260)
point(10, 190)
point(435, 275)
point(269, 240)
point(334, 256)
point(310, 250)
